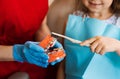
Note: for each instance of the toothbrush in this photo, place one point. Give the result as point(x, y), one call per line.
point(68, 38)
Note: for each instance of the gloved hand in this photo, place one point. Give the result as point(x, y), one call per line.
point(57, 61)
point(30, 52)
point(57, 45)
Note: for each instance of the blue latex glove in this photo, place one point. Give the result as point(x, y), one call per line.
point(30, 52)
point(57, 45)
point(57, 61)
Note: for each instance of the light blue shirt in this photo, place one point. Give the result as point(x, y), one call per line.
point(81, 63)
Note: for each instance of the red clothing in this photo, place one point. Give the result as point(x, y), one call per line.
point(19, 20)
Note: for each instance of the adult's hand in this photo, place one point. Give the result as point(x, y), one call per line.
point(30, 52)
point(57, 45)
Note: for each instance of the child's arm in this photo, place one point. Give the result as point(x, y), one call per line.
point(101, 44)
point(61, 69)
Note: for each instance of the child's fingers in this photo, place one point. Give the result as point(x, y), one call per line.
point(94, 45)
point(102, 51)
point(98, 48)
point(88, 42)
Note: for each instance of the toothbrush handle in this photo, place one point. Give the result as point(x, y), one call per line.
point(68, 38)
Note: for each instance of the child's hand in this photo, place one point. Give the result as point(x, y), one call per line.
point(101, 45)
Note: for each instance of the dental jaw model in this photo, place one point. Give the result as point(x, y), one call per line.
point(53, 52)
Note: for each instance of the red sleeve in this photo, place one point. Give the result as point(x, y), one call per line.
point(20, 19)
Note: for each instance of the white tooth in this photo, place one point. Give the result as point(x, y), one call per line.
point(57, 58)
